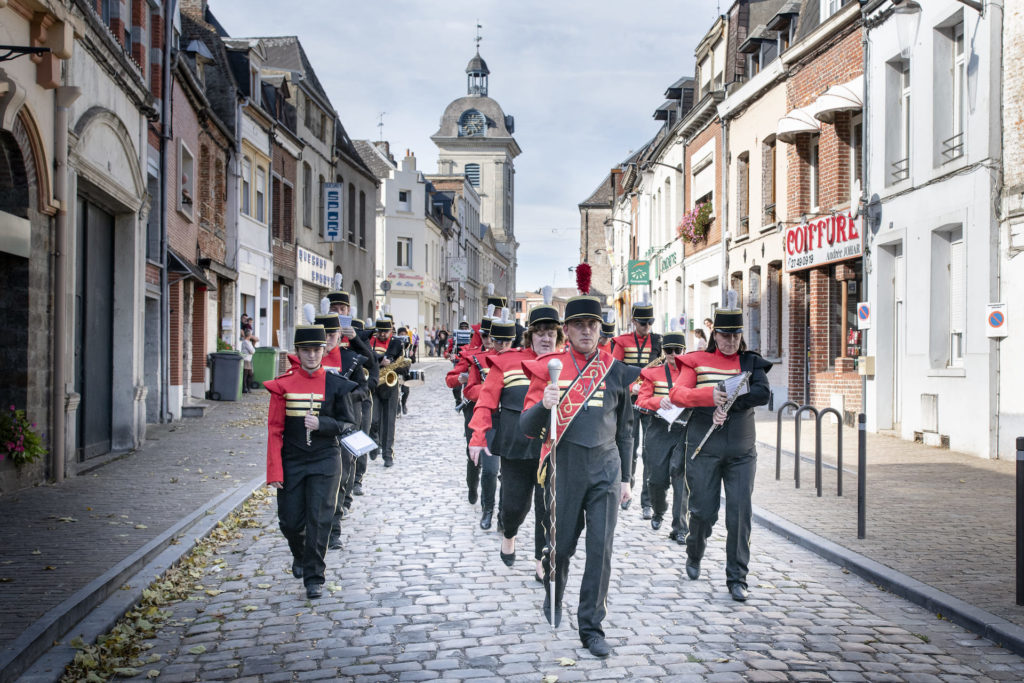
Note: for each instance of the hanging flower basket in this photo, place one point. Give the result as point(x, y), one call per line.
point(696, 223)
point(18, 438)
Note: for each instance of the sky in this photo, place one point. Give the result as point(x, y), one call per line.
point(581, 78)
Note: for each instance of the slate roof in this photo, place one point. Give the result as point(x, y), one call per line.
point(603, 195)
point(373, 158)
point(221, 87)
point(285, 52)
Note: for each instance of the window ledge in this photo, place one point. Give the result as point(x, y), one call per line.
point(947, 372)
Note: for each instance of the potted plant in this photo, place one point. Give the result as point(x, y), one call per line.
point(18, 438)
point(696, 223)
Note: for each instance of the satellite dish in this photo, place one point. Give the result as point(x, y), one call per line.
point(855, 199)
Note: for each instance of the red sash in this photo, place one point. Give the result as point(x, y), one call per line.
point(575, 397)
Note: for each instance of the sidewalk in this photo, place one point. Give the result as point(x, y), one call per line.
point(67, 547)
point(943, 518)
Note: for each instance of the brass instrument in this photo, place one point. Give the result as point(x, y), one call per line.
point(389, 376)
point(657, 361)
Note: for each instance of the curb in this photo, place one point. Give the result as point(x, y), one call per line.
point(94, 609)
point(1002, 632)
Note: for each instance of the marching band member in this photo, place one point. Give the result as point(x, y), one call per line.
point(387, 349)
point(309, 410)
point(729, 455)
point(457, 378)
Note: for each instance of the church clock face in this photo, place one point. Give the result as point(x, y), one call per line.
point(471, 123)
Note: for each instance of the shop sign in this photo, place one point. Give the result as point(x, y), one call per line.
point(667, 261)
point(639, 272)
point(827, 240)
point(332, 212)
point(314, 268)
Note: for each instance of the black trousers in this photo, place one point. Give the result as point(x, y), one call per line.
point(659, 444)
point(305, 511)
point(365, 408)
point(345, 483)
point(638, 445)
point(472, 471)
point(385, 407)
point(705, 475)
point(587, 488)
point(518, 488)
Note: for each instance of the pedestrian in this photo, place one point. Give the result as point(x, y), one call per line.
point(499, 405)
point(309, 410)
point(442, 341)
point(247, 349)
point(700, 340)
point(637, 349)
point(662, 438)
point(591, 461)
point(709, 327)
point(428, 341)
point(729, 455)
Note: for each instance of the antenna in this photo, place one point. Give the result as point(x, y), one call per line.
point(380, 126)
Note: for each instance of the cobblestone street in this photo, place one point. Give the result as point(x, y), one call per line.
point(419, 592)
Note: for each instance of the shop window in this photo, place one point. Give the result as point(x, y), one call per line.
point(843, 292)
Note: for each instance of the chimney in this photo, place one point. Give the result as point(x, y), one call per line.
point(385, 147)
point(409, 162)
point(196, 8)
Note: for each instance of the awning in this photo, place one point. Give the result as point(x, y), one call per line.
point(185, 270)
point(845, 97)
point(797, 122)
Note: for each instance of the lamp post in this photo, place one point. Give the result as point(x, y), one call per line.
point(907, 14)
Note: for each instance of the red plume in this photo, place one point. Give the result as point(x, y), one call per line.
point(583, 278)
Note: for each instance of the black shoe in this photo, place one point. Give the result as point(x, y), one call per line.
point(547, 610)
point(472, 496)
point(599, 647)
point(389, 462)
point(374, 453)
point(333, 544)
point(738, 592)
point(656, 522)
point(405, 411)
point(508, 558)
point(678, 536)
point(625, 505)
point(296, 569)
point(692, 569)
point(646, 512)
point(485, 519)
point(357, 489)
point(314, 590)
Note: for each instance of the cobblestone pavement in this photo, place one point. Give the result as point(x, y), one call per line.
point(945, 518)
point(58, 538)
point(419, 593)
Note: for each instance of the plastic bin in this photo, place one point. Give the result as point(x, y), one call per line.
point(264, 364)
point(225, 375)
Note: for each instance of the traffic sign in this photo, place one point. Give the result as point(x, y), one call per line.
point(996, 321)
point(385, 286)
point(863, 315)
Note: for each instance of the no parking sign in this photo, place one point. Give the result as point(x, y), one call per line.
point(995, 321)
point(863, 315)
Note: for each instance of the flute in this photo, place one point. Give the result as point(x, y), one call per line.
point(309, 432)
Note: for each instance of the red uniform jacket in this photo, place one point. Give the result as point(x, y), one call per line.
point(699, 373)
point(461, 365)
point(477, 362)
point(655, 386)
point(635, 350)
point(505, 380)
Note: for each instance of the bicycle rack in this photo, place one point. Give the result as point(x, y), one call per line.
point(839, 450)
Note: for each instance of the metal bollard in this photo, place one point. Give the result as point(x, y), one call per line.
point(1020, 520)
point(862, 461)
point(796, 446)
point(778, 437)
point(817, 448)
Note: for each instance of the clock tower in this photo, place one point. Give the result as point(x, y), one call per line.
point(475, 140)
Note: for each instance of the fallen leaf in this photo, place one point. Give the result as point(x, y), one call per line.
point(722, 660)
point(550, 678)
point(37, 552)
point(126, 671)
point(565, 661)
point(49, 567)
point(66, 519)
point(141, 526)
point(265, 585)
point(197, 649)
point(213, 592)
point(250, 608)
point(152, 673)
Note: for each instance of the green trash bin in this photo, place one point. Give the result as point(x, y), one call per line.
point(225, 375)
point(264, 364)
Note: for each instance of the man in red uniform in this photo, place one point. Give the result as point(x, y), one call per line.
point(386, 349)
point(591, 462)
point(309, 410)
point(457, 377)
point(637, 349)
point(729, 456)
point(661, 439)
point(607, 334)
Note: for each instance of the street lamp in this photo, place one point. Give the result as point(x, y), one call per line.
point(908, 21)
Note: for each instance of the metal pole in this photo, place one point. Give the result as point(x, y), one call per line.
point(817, 455)
point(862, 461)
point(1020, 520)
point(796, 453)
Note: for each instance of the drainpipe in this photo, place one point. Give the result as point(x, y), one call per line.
point(65, 97)
point(723, 158)
point(165, 293)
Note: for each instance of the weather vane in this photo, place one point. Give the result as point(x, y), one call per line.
point(380, 126)
point(478, 36)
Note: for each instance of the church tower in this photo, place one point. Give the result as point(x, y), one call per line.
point(475, 140)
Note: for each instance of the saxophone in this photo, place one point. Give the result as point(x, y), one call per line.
point(389, 377)
point(657, 361)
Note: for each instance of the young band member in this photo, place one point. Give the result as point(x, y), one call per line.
point(661, 439)
point(637, 349)
point(387, 349)
point(591, 460)
point(499, 406)
point(457, 377)
point(309, 410)
point(729, 454)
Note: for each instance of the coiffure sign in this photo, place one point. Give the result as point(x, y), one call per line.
point(827, 240)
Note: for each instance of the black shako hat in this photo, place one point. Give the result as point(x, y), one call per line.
point(503, 330)
point(310, 335)
point(643, 312)
point(383, 325)
point(330, 322)
point(338, 297)
point(583, 307)
point(496, 301)
point(357, 324)
point(677, 339)
point(729, 320)
point(485, 326)
point(543, 314)
point(608, 330)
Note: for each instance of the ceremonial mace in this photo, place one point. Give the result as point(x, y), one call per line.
point(554, 370)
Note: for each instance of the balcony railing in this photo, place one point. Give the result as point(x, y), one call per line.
point(900, 169)
point(769, 214)
point(953, 147)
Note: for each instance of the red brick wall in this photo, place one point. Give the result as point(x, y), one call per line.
point(712, 132)
point(199, 334)
point(176, 322)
